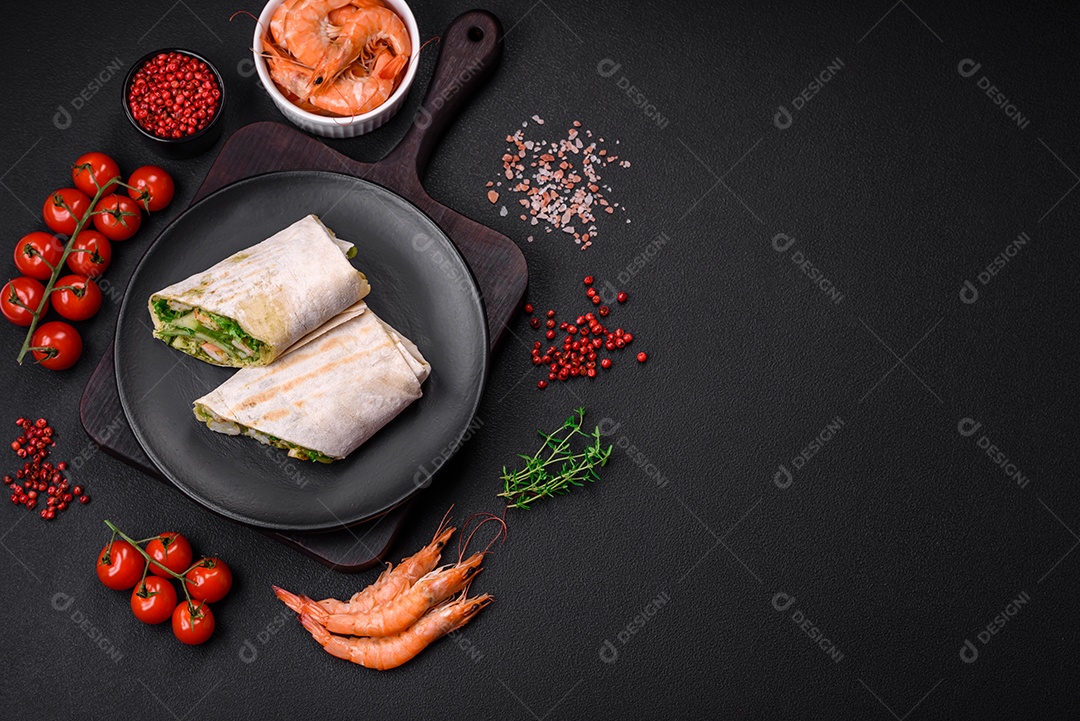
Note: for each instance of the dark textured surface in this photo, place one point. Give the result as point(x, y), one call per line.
point(900, 539)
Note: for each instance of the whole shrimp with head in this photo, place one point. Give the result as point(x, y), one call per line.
point(339, 57)
point(388, 652)
point(398, 614)
point(407, 608)
point(392, 582)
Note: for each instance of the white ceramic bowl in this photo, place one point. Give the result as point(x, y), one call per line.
point(339, 127)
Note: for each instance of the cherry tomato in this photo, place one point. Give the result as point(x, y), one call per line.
point(153, 188)
point(121, 218)
point(64, 346)
point(90, 254)
point(63, 219)
point(193, 628)
point(171, 550)
point(120, 567)
point(36, 252)
point(78, 304)
point(210, 580)
point(92, 167)
point(153, 600)
point(29, 293)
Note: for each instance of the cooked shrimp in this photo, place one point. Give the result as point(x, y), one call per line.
point(336, 17)
point(336, 57)
point(403, 611)
point(366, 31)
point(390, 583)
point(244, 350)
point(279, 19)
point(392, 651)
point(215, 352)
point(306, 30)
point(393, 581)
point(287, 73)
point(205, 319)
point(342, 15)
point(355, 93)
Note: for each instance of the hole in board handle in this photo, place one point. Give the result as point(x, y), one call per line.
point(476, 34)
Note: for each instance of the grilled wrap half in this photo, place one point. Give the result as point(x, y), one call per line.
point(324, 399)
point(251, 307)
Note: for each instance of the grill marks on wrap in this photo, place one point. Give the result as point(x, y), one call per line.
point(326, 352)
point(330, 395)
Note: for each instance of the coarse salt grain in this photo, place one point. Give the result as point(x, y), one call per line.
point(556, 190)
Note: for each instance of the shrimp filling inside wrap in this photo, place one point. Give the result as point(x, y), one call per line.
point(253, 306)
point(327, 396)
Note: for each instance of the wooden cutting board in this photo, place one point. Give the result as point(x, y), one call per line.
point(469, 51)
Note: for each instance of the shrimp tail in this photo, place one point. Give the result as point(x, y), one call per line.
point(311, 608)
point(334, 645)
point(388, 66)
point(289, 599)
point(317, 632)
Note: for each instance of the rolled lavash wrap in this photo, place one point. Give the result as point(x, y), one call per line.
point(251, 307)
point(326, 396)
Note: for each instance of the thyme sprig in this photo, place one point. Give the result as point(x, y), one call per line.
point(555, 469)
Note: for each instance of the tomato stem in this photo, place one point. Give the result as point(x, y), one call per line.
point(48, 350)
point(59, 200)
point(16, 301)
point(31, 251)
point(180, 577)
point(142, 581)
point(77, 291)
point(107, 558)
point(130, 187)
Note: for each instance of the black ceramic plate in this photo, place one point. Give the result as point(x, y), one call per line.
point(420, 284)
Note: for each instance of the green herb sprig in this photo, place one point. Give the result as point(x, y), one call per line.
point(555, 468)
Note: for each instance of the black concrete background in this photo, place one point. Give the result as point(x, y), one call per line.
point(899, 540)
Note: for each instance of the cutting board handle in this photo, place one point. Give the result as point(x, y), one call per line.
point(469, 51)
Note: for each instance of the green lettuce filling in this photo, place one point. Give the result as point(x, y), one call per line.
point(164, 312)
point(295, 451)
point(183, 329)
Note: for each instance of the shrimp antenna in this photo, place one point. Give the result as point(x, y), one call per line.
point(429, 41)
point(487, 518)
point(267, 39)
point(444, 522)
point(282, 58)
point(245, 12)
point(253, 17)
